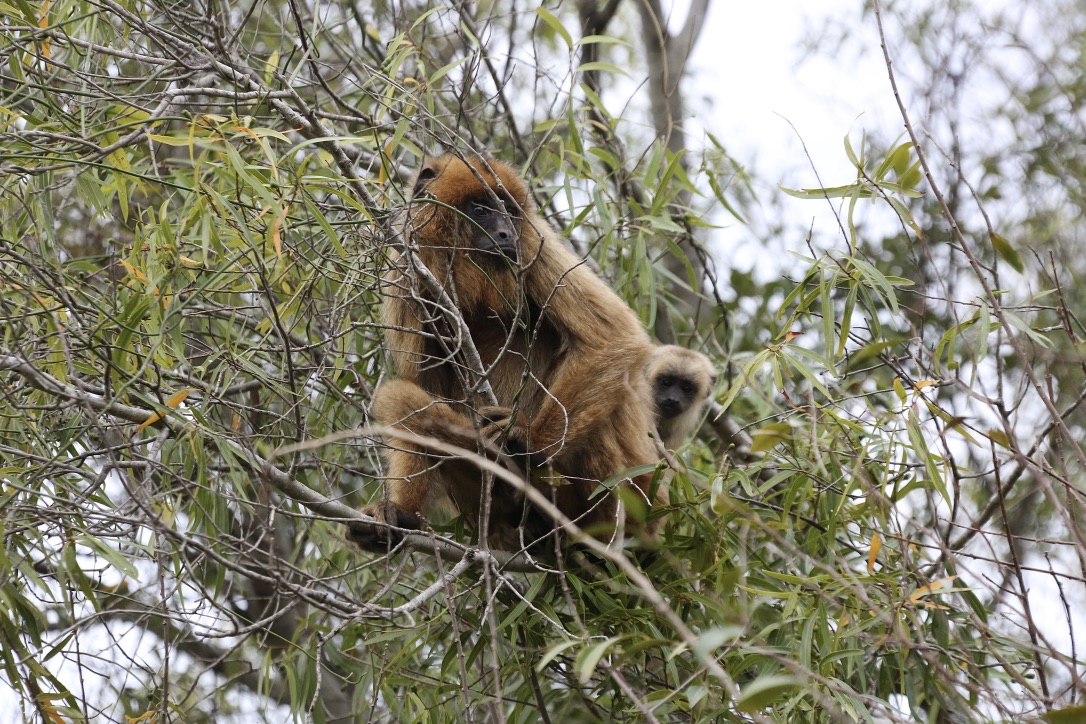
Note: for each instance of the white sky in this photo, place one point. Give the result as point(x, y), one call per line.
point(749, 60)
point(749, 64)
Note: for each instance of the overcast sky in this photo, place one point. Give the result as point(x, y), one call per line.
point(750, 65)
point(750, 58)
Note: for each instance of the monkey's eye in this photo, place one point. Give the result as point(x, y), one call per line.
point(688, 388)
point(480, 211)
point(666, 382)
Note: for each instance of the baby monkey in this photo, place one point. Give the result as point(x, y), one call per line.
point(680, 380)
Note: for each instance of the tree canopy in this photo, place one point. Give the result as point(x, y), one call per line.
point(881, 520)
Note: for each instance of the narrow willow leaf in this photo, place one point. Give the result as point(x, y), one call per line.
point(765, 438)
point(851, 153)
point(1066, 715)
point(899, 389)
point(873, 553)
point(1007, 252)
point(554, 24)
point(591, 658)
point(764, 692)
point(605, 67)
point(936, 586)
point(553, 653)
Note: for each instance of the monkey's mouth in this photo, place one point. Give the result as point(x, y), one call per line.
point(503, 248)
point(669, 408)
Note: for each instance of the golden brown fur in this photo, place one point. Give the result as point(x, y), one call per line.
point(564, 355)
point(680, 380)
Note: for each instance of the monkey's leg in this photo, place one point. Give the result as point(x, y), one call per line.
point(419, 480)
point(419, 483)
point(504, 425)
point(616, 451)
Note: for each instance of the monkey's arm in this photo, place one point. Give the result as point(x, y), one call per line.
point(604, 351)
point(404, 319)
point(403, 326)
point(421, 480)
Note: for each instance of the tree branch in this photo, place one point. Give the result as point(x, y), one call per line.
point(328, 508)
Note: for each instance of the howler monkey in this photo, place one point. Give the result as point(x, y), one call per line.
point(564, 355)
point(680, 380)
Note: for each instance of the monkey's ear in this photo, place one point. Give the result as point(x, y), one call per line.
point(712, 381)
point(425, 178)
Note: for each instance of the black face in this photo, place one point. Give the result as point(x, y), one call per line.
point(673, 394)
point(495, 229)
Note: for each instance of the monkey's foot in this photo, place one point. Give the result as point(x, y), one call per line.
point(501, 421)
point(377, 538)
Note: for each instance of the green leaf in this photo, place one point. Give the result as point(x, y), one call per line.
point(712, 639)
point(553, 653)
point(446, 69)
point(999, 438)
point(832, 192)
point(695, 693)
point(114, 557)
point(931, 463)
point(615, 480)
point(74, 571)
point(601, 66)
point(764, 692)
point(765, 438)
point(1007, 252)
point(869, 353)
point(745, 372)
point(899, 389)
point(899, 159)
point(1067, 715)
point(1022, 326)
point(912, 176)
point(851, 153)
point(555, 24)
point(591, 656)
point(602, 40)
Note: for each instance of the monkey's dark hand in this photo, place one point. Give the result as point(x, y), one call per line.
point(501, 421)
point(377, 538)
